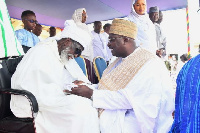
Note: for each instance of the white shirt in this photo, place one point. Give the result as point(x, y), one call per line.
point(108, 51)
point(145, 105)
point(99, 43)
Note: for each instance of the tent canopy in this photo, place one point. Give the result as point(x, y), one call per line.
point(55, 12)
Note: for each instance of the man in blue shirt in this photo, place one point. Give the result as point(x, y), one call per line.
point(25, 36)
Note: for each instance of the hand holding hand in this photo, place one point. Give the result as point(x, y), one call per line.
point(81, 90)
point(78, 82)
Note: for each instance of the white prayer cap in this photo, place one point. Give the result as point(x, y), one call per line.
point(75, 33)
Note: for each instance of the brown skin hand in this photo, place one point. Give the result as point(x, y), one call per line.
point(81, 90)
point(77, 82)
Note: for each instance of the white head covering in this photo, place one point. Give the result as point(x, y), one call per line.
point(77, 17)
point(146, 37)
point(75, 33)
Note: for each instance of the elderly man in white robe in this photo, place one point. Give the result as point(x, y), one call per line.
point(46, 70)
point(135, 93)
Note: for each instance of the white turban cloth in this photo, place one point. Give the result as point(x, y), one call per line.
point(75, 33)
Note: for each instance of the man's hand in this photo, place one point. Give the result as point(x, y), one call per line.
point(78, 82)
point(81, 90)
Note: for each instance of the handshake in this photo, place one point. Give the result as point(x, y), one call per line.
point(78, 88)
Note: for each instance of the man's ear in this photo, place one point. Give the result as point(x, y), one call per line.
point(23, 20)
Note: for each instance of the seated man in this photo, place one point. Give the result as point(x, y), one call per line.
point(135, 93)
point(45, 71)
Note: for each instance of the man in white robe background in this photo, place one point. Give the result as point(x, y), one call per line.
point(99, 41)
point(46, 71)
point(160, 37)
point(106, 29)
point(135, 93)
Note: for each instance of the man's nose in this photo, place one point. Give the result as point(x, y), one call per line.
point(109, 44)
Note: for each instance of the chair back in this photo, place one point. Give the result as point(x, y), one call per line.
point(7, 68)
point(81, 62)
point(99, 66)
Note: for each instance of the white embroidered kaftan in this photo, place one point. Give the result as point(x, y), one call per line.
point(137, 95)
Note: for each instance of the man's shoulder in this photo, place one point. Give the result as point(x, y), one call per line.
point(21, 31)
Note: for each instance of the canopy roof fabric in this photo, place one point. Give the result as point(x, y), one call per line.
point(55, 12)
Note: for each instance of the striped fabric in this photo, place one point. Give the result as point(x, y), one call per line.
point(9, 45)
point(187, 104)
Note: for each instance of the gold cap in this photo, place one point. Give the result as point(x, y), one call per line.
point(124, 28)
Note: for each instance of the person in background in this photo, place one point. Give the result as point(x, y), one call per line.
point(106, 29)
point(160, 19)
point(52, 34)
point(181, 63)
point(46, 71)
point(99, 41)
point(52, 31)
point(80, 17)
point(146, 37)
point(187, 102)
point(37, 30)
point(160, 37)
point(25, 36)
point(135, 93)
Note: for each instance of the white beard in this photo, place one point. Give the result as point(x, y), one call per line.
point(64, 56)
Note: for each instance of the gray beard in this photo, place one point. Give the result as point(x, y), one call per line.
point(64, 55)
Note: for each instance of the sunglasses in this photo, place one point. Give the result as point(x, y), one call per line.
point(112, 39)
point(32, 21)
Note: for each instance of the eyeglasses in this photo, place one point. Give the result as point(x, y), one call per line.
point(32, 21)
point(112, 39)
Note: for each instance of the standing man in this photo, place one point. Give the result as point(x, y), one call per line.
point(25, 36)
point(135, 93)
point(52, 34)
point(160, 38)
point(98, 41)
point(106, 29)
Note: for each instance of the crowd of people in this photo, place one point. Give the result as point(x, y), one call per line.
point(135, 93)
